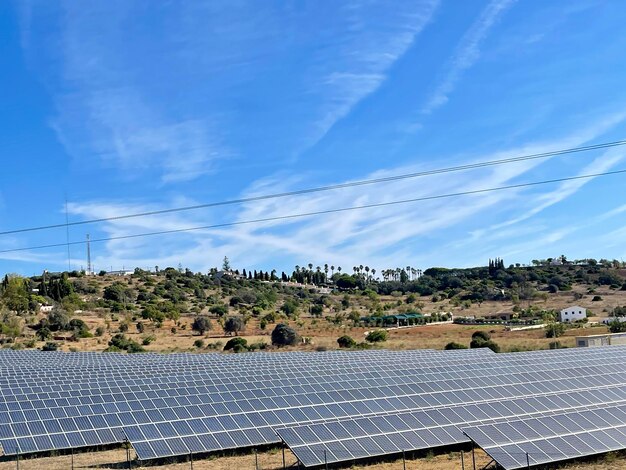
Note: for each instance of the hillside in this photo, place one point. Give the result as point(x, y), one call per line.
point(156, 310)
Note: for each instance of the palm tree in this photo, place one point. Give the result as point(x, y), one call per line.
point(373, 272)
point(339, 269)
point(332, 270)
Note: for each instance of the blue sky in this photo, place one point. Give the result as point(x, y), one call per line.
point(123, 106)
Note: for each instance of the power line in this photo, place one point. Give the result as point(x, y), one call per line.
point(323, 212)
point(351, 184)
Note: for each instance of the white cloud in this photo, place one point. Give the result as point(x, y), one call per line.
point(467, 53)
point(376, 235)
point(366, 53)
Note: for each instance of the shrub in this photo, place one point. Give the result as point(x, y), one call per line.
point(284, 335)
point(50, 347)
point(236, 343)
point(554, 330)
point(100, 331)
point(346, 342)
point(453, 345)
point(120, 342)
point(376, 336)
point(481, 335)
point(220, 310)
point(596, 298)
point(148, 339)
point(198, 343)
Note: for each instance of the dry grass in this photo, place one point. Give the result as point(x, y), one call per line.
point(272, 460)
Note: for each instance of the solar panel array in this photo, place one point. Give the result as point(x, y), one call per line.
point(561, 436)
point(332, 406)
point(51, 401)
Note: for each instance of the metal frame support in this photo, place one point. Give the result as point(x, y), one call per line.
point(284, 466)
point(403, 460)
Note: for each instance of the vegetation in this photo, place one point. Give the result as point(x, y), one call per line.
point(482, 339)
point(73, 309)
point(284, 335)
point(346, 341)
point(377, 336)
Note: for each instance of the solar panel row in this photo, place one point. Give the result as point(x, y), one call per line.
point(566, 435)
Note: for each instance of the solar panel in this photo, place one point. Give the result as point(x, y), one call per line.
point(547, 439)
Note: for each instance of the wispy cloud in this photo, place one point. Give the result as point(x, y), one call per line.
point(366, 54)
point(382, 233)
point(467, 53)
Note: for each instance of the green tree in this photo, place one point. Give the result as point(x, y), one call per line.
point(44, 333)
point(201, 324)
point(219, 309)
point(284, 335)
point(234, 325)
point(118, 292)
point(290, 308)
point(14, 294)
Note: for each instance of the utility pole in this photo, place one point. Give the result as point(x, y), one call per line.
point(67, 236)
point(89, 271)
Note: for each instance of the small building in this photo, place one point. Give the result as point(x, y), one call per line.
point(123, 272)
point(572, 314)
point(609, 320)
point(45, 308)
point(593, 341)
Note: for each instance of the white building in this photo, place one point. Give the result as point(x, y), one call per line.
point(609, 339)
point(608, 320)
point(572, 314)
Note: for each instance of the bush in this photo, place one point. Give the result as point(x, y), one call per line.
point(220, 310)
point(481, 335)
point(346, 342)
point(234, 343)
point(148, 339)
point(100, 331)
point(120, 342)
point(554, 330)
point(257, 346)
point(198, 343)
point(596, 298)
point(376, 336)
point(50, 347)
point(453, 345)
point(284, 335)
